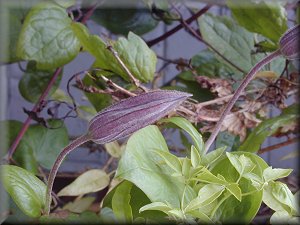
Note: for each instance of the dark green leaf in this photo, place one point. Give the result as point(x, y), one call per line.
point(27, 191)
point(34, 82)
point(99, 101)
point(227, 139)
point(137, 200)
point(231, 40)
point(8, 40)
point(267, 128)
point(39, 145)
point(263, 17)
point(206, 64)
point(133, 51)
point(121, 203)
point(47, 38)
point(136, 19)
point(65, 217)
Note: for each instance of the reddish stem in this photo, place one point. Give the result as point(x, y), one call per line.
point(277, 146)
point(178, 27)
point(35, 109)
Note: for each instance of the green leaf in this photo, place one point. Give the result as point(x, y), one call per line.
point(39, 145)
point(120, 203)
point(34, 82)
point(114, 149)
point(274, 174)
point(278, 197)
point(134, 52)
point(231, 40)
point(171, 160)
point(233, 210)
point(241, 163)
point(195, 157)
point(234, 189)
point(160, 206)
point(137, 19)
point(190, 129)
point(90, 181)
point(79, 205)
point(208, 177)
point(10, 31)
point(27, 191)
point(141, 165)
point(99, 101)
point(263, 17)
point(43, 144)
point(63, 217)
point(268, 127)
point(283, 217)
point(177, 213)
point(206, 64)
point(47, 38)
point(227, 139)
point(213, 157)
point(206, 195)
point(201, 216)
point(137, 200)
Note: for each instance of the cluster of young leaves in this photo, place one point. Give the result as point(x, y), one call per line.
point(197, 188)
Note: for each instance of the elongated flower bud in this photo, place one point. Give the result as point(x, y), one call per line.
point(127, 116)
point(289, 43)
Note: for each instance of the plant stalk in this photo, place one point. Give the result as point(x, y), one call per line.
point(62, 155)
point(237, 94)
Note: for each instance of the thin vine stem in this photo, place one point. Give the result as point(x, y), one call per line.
point(237, 94)
point(35, 109)
point(74, 144)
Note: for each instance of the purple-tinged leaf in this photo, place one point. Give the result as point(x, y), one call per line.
point(127, 116)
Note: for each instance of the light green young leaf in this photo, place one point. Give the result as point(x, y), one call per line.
point(90, 181)
point(206, 195)
point(278, 197)
point(171, 160)
point(160, 206)
point(213, 156)
point(186, 166)
point(141, 165)
point(114, 149)
point(34, 82)
point(274, 174)
point(208, 177)
point(241, 163)
point(177, 213)
point(121, 203)
point(134, 52)
point(231, 40)
point(79, 205)
point(267, 127)
point(203, 218)
point(263, 17)
point(27, 191)
point(235, 190)
point(283, 217)
point(195, 157)
point(47, 38)
point(256, 180)
point(190, 129)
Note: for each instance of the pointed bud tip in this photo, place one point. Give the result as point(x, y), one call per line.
point(289, 43)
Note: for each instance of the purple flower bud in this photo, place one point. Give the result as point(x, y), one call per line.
point(289, 43)
point(127, 116)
